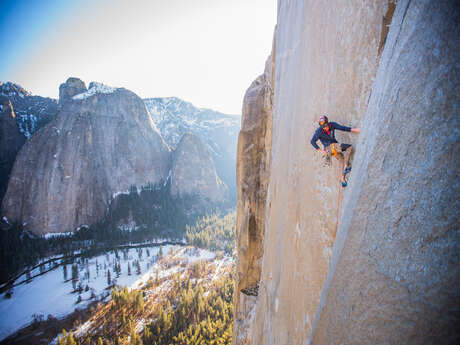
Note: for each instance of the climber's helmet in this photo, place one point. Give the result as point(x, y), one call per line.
point(323, 121)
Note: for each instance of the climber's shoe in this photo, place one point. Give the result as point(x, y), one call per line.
point(347, 170)
point(343, 181)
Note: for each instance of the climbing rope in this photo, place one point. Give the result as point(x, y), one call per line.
point(339, 199)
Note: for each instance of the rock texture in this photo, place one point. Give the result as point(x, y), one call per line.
point(193, 172)
point(21, 115)
point(11, 141)
point(253, 167)
point(319, 68)
point(391, 276)
point(73, 86)
point(101, 142)
point(219, 132)
point(395, 270)
point(32, 112)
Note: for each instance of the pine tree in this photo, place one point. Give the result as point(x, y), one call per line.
point(129, 268)
point(74, 276)
point(109, 278)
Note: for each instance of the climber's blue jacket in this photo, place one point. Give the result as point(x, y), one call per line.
point(325, 138)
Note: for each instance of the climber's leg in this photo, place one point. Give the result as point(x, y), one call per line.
point(347, 149)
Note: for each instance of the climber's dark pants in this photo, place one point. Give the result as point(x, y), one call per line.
point(341, 151)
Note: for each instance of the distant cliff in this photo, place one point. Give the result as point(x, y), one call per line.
point(101, 142)
point(193, 171)
point(21, 115)
point(377, 262)
point(102, 145)
point(219, 132)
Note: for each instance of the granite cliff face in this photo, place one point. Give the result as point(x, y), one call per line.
point(11, 141)
point(193, 172)
point(21, 115)
point(219, 132)
point(253, 168)
point(32, 112)
point(377, 262)
point(101, 142)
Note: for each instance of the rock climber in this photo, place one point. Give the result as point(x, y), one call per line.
point(326, 134)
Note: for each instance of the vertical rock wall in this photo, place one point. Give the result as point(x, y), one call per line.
point(193, 171)
point(11, 141)
point(392, 276)
point(326, 60)
point(253, 167)
point(395, 272)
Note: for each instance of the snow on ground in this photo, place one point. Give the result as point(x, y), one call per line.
point(191, 255)
point(57, 234)
point(51, 294)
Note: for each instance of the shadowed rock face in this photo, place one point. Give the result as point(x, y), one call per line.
point(11, 141)
point(193, 171)
point(253, 167)
point(32, 112)
point(101, 142)
point(21, 115)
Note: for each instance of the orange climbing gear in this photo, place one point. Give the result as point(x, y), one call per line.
point(333, 150)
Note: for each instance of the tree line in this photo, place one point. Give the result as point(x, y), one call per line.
point(213, 232)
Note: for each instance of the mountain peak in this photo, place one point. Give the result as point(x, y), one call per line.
point(72, 86)
point(10, 89)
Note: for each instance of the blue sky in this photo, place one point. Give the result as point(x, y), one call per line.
point(23, 24)
point(204, 51)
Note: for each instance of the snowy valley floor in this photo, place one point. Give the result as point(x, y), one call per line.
point(62, 290)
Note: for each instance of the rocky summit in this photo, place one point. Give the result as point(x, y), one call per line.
point(101, 142)
point(72, 87)
point(193, 172)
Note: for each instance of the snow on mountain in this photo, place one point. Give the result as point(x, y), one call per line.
point(32, 112)
point(173, 117)
point(10, 89)
point(94, 87)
